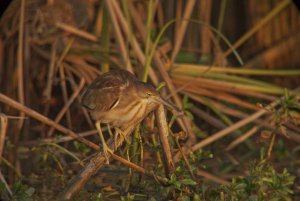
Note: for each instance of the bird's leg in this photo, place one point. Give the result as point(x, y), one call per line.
point(119, 132)
point(106, 149)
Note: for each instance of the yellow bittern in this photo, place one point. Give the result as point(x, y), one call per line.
point(119, 99)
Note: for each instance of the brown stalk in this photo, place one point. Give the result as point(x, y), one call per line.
point(219, 85)
point(65, 94)
point(185, 122)
point(119, 37)
point(135, 45)
point(242, 138)
point(212, 177)
point(2, 179)
point(74, 86)
point(160, 15)
point(208, 118)
point(178, 16)
point(89, 71)
point(50, 76)
point(33, 143)
point(163, 135)
point(218, 105)
point(20, 67)
point(221, 96)
point(182, 28)
point(77, 32)
point(235, 126)
point(81, 71)
point(205, 15)
point(66, 106)
point(3, 127)
point(184, 158)
point(238, 114)
point(12, 103)
point(258, 26)
point(270, 56)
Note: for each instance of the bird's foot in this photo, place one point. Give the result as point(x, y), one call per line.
point(107, 152)
point(119, 132)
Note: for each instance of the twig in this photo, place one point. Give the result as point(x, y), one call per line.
point(261, 23)
point(134, 43)
point(242, 138)
point(235, 126)
point(3, 127)
point(12, 103)
point(33, 143)
point(119, 36)
point(182, 29)
point(163, 135)
point(185, 123)
point(65, 94)
point(205, 16)
point(74, 86)
point(184, 158)
point(21, 66)
point(77, 32)
point(66, 106)
point(5, 184)
point(50, 76)
point(211, 177)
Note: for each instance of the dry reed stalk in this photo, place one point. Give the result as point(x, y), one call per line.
point(160, 15)
point(224, 85)
point(182, 85)
point(242, 138)
point(163, 135)
point(182, 28)
point(12, 103)
point(269, 56)
point(217, 105)
point(178, 17)
point(3, 127)
point(82, 69)
point(1, 61)
point(118, 34)
point(20, 68)
point(184, 123)
point(50, 76)
point(205, 16)
point(56, 140)
point(134, 43)
point(212, 177)
point(66, 107)
point(282, 5)
point(221, 96)
point(208, 118)
point(2, 179)
point(239, 114)
point(64, 90)
point(74, 86)
point(77, 32)
point(235, 126)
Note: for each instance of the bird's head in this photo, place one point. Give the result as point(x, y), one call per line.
point(147, 92)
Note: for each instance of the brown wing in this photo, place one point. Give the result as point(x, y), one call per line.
point(104, 92)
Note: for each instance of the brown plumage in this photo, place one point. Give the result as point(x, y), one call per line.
point(119, 99)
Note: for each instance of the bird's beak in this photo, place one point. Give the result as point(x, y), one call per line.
point(169, 105)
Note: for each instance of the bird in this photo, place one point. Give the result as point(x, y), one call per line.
point(119, 99)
